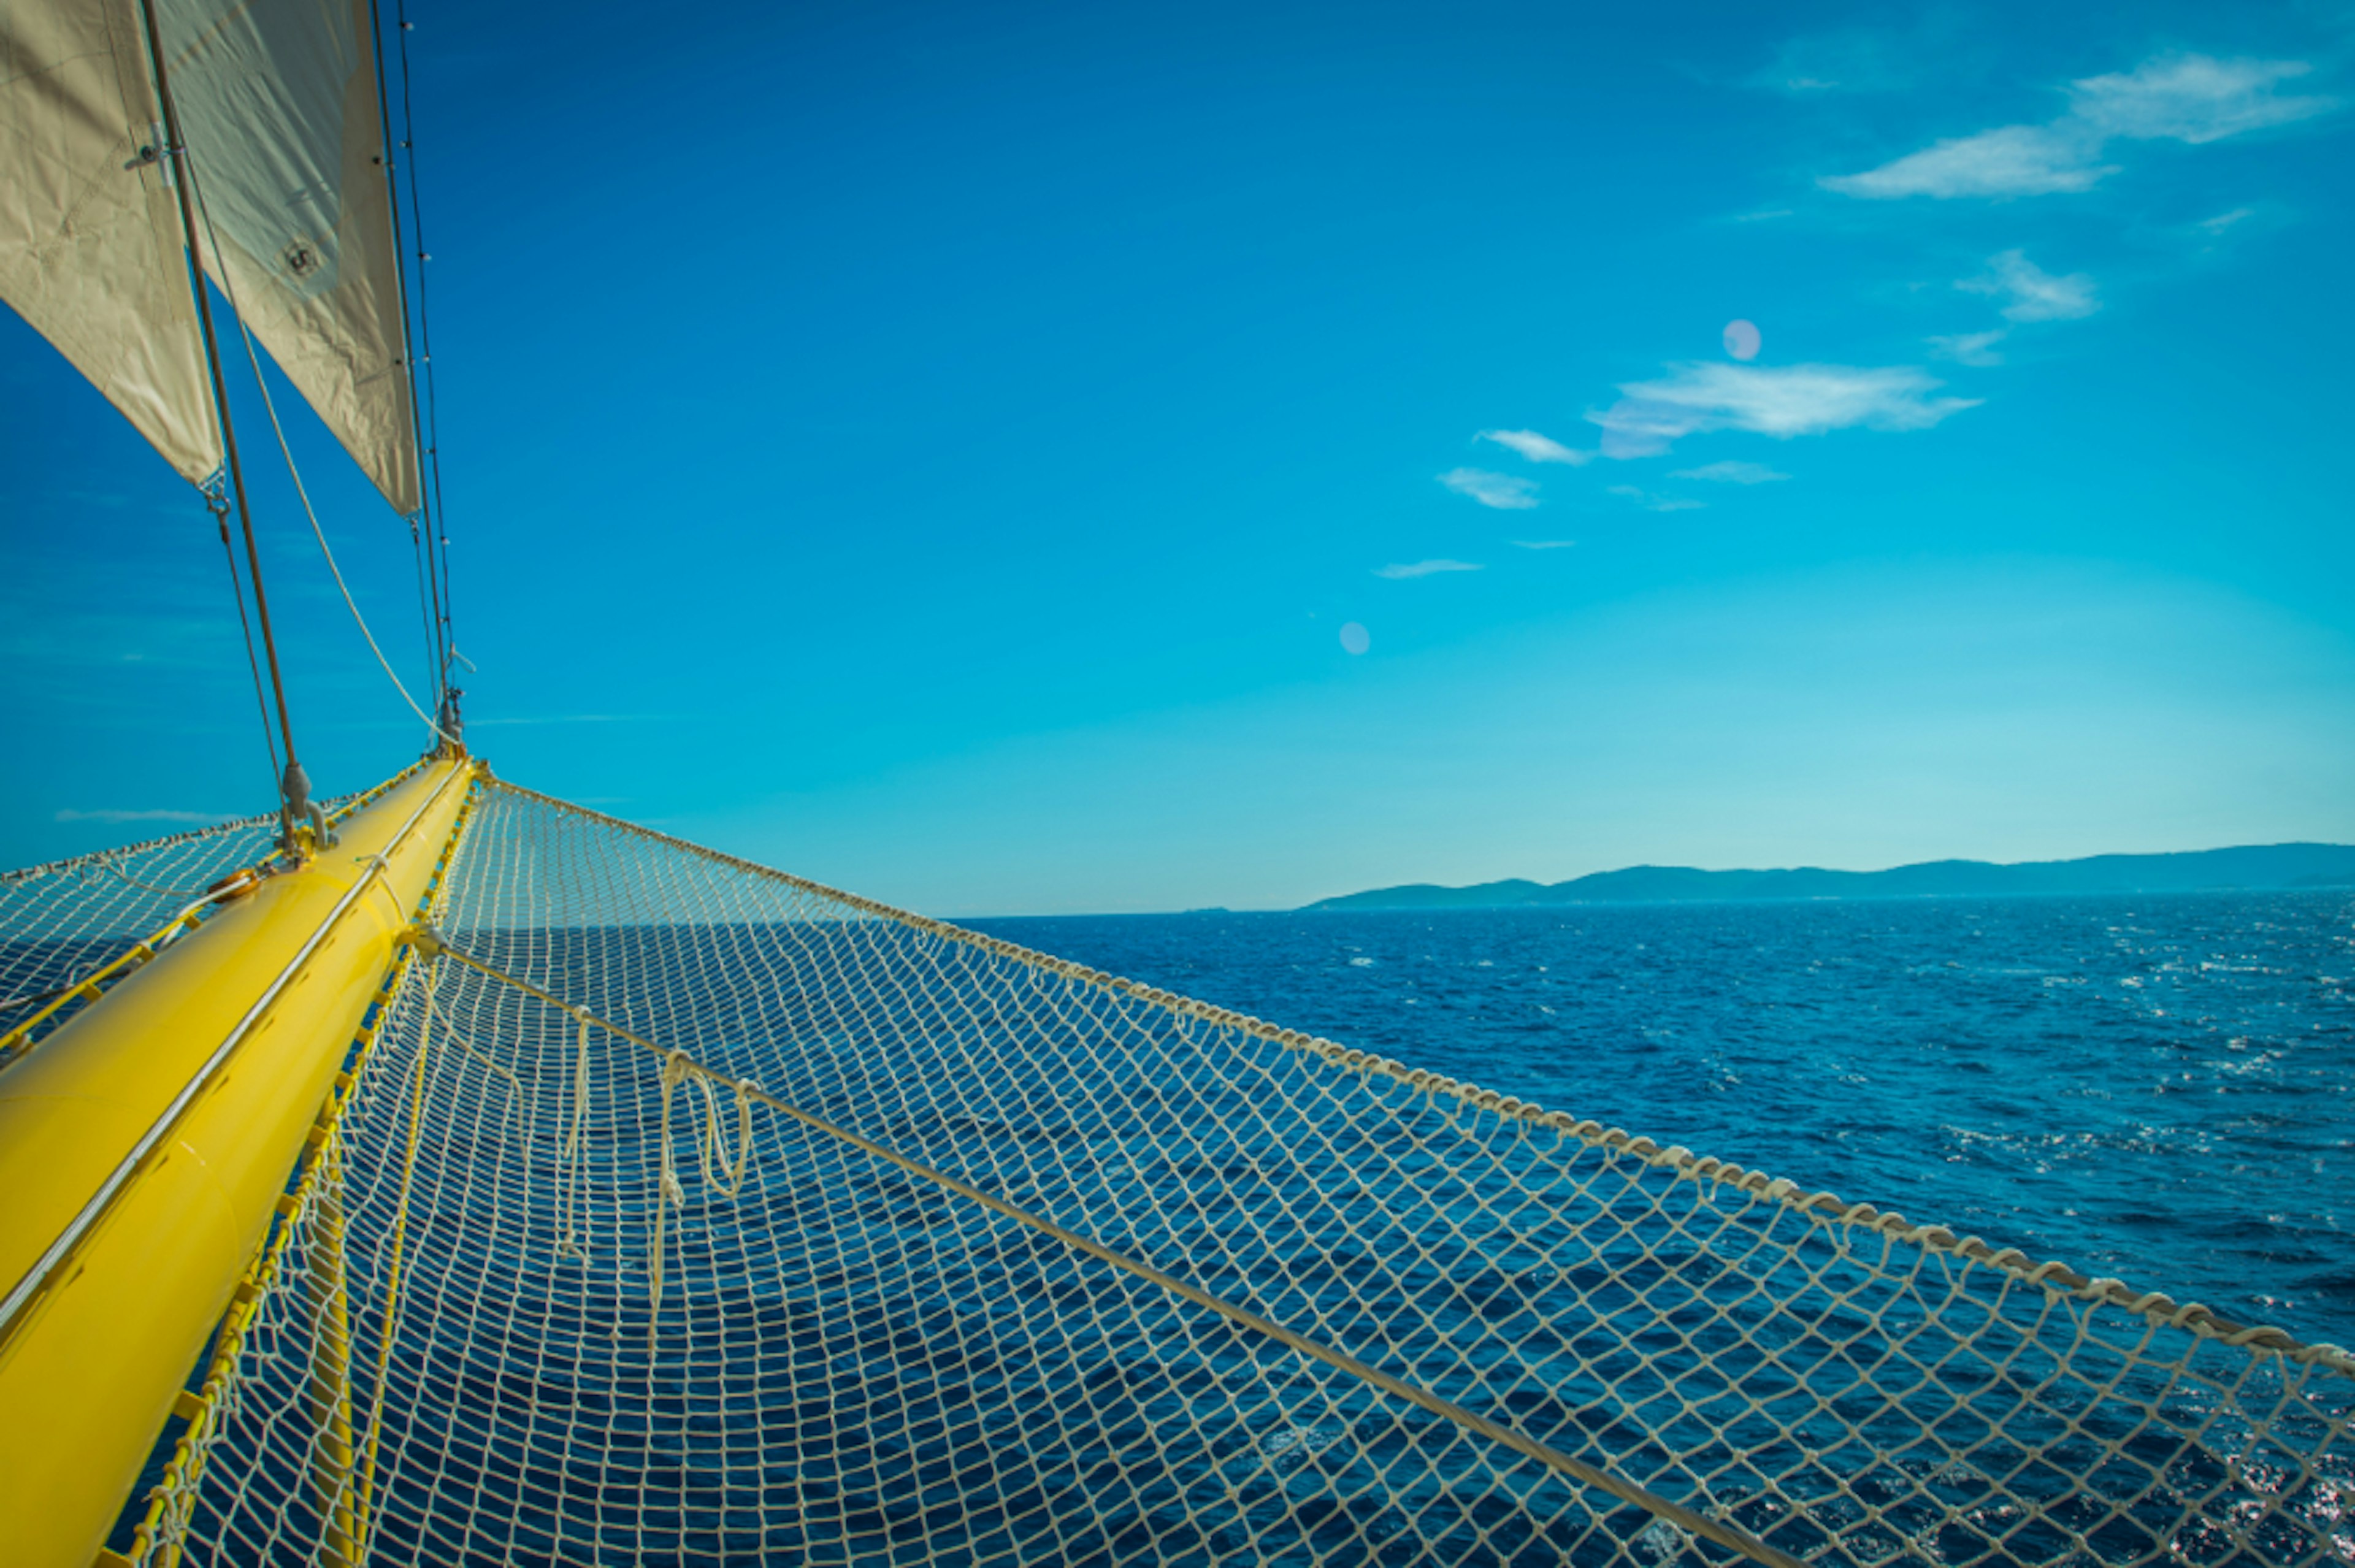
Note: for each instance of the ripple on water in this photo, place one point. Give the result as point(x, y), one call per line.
point(2161, 1089)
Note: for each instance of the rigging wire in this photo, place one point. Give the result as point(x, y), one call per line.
point(219, 506)
point(439, 518)
point(435, 541)
point(424, 614)
point(269, 406)
point(293, 785)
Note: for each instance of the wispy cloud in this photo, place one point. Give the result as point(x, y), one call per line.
point(1782, 401)
point(2223, 220)
point(1732, 473)
point(2011, 160)
point(1652, 503)
point(1973, 349)
point(1506, 492)
point(1424, 568)
point(2184, 98)
point(158, 815)
point(2192, 98)
point(1535, 447)
point(2028, 292)
point(1543, 544)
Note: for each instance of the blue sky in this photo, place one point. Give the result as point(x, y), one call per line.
point(944, 450)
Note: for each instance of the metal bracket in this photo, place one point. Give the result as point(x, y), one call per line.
point(156, 152)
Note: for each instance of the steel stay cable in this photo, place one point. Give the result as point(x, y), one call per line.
point(436, 579)
point(236, 592)
point(432, 944)
point(432, 430)
point(176, 146)
point(301, 492)
point(67, 1240)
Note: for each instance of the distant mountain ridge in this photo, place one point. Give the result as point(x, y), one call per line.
point(2255, 867)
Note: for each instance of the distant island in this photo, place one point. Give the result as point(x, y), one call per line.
point(2253, 868)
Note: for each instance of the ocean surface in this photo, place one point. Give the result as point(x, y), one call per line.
point(2159, 1088)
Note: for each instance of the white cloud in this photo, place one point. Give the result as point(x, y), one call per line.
point(1973, 349)
point(1543, 544)
point(2223, 220)
point(2028, 292)
point(2011, 160)
point(2183, 98)
point(2192, 98)
point(1652, 503)
point(153, 816)
point(1424, 568)
point(1782, 401)
point(1503, 491)
point(1535, 447)
point(1731, 474)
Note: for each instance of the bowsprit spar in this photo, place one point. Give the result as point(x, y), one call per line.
point(448, 1174)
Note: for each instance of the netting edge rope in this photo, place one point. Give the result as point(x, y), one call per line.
point(100, 859)
point(2054, 1276)
point(16, 1041)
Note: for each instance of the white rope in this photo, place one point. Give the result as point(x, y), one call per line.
point(513, 1083)
point(668, 1194)
point(722, 1172)
point(572, 1157)
point(270, 407)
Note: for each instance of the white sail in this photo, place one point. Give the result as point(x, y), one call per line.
point(90, 243)
point(278, 105)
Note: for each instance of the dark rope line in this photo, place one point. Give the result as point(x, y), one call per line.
point(236, 592)
point(424, 319)
point(428, 509)
point(424, 616)
point(176, 147)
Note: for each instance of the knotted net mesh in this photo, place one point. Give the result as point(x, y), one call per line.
point(551, 1296)
point(69, 928)
point(65, 920)
point(60, 920)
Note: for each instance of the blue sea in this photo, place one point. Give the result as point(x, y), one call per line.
point(2159, 1088)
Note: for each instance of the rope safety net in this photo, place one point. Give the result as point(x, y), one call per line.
point(69, 928)
point(693, 1269)
point(61, 921)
